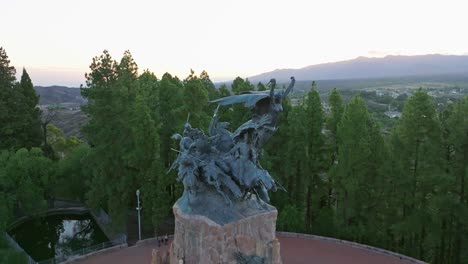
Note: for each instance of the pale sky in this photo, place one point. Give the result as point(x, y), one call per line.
point(56, 39)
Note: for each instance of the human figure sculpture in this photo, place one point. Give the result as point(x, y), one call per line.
point(226, 163)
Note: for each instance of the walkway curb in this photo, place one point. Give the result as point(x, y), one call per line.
point(95, 253)
point(152, 240)
point(351, 244)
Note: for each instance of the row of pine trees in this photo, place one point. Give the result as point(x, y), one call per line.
point(403, 191)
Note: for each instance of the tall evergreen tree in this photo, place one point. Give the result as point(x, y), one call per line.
point(111, 92)
point(213, 93)
point(417, 149)
point(19, 115)
point(336, 105)
point(334, 115)
point(239, 113)
point(261, 87)
point(7, 102)
point(196, 101)
point(31, 134)
point(316, 191)
point(171, 112)
point(457, 124)
point(357, 176)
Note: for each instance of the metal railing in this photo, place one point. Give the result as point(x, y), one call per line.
point(84, 251)
point(17, 247)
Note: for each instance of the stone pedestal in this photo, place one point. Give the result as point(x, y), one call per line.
point(197, 239)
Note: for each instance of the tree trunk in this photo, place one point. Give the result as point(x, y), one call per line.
point(309, 208)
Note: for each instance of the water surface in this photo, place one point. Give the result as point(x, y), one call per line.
point(57, 235)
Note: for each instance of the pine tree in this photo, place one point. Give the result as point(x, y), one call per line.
point(196, 101)
point(111, 93)
point(334, 115)
point(417, 148)
point(357, 176)
point(457, 124)
point(277, 160)
point(316, 192)
point(72, 174)
point(261, 87)
point(213, 93)
point(336, 112)
point(239, 113)
point(172, 115)
point(7, 102)
point(19, 115)
point(31, 134)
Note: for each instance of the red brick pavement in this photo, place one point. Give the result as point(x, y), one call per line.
point(293, 251)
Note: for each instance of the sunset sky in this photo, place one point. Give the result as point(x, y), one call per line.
point(56, 39)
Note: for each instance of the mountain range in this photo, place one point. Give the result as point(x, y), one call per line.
point(367, 68)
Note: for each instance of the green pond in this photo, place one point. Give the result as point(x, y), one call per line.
point(57, 235)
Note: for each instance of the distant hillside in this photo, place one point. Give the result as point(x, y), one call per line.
point(433, 81)
point(59, 95)
point(70, 119)
point(364, 68)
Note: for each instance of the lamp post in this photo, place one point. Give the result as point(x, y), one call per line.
point(139, 209)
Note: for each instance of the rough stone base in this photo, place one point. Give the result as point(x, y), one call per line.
point(198, 239)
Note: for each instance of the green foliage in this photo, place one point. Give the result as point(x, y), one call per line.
point(303, 160)
point(455, 198)
point(61, 146)
point(357, 178)
point(19, 117)
point(7, 72)
point(6, 207)
point(26, 178)
point(131, 120)
point(274, 162)
point(239, 114)
point(111, 92)
point(196, 101)
point(72, 175)
point(261, 87)
point(417, 147)
point(240, 85)
point(406, 192)
point(336, 107)
point(30, 135)
point(171, 113)
point(213, 93)
point(290, 219)
point(10, 256)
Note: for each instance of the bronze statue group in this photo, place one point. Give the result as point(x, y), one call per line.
point(228, 162)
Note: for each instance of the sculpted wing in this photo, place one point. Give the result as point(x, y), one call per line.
point(249, 99)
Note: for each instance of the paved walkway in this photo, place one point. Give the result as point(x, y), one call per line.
point(293, 251)
point(130, 255)
point(302, 251)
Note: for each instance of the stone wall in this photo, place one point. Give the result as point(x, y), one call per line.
point(198, 239)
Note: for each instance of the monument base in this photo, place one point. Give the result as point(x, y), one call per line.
point(252, 239)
